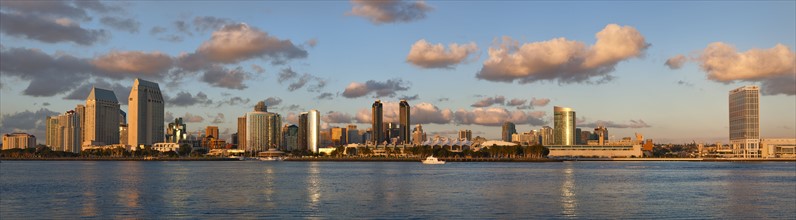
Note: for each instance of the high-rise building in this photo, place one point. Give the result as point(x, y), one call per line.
point(584, 137)
point(563, 126)
point(101, 118)
point(18, 140)
point(212, 131)
point(339, 136)
point(176, 132)
point(52, 133)
point(353, 134)
point(63, 132)
point(242, 133)
point(508, 129)
point(404, 122)
point(302, 132)
point(146, 114)
point(600, 135)
point(69, 124)
point(313, 130)
point(263, 129)
point(745, 121)
point(418, 136)
point(377, 132)
point(80, 110)
point(466, 134)
point(546, 136)
point(291, 137)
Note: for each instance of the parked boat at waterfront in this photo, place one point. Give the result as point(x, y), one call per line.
point(432, 160)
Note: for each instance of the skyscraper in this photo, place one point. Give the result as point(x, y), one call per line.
point(339, 136)
point(745, 121)
point(176, 132)
point(377, 132)
point(146, 114)
point(418, 136)
point(102, 118)
point(563, 126)
point(63, 132)
point(242, 133)
point(508, 129)
point(404, 122)
point(466, 134)
point(291, 137)
point(546, 135)
point(212, 131)
point(263, 129)
point(313, 130)
point(302, 132)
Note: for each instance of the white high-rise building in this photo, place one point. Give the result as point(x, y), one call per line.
point(145, 113)
point(263, 129)
point(313, 130)
point(745, 121)
point(563, 126)
point(101, 123)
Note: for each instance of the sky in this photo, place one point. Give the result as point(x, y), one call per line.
point(662, 69)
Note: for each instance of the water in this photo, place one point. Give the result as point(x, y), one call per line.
point(568, 190)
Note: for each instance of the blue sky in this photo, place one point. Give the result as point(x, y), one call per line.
point(336, 47)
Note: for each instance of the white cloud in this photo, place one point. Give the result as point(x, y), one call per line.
point(563, 60)
point(426, 55)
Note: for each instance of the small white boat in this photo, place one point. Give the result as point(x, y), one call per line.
point(432, 160)
point(269, 158)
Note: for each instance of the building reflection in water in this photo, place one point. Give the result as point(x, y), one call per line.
point(130, 176)
point(314, 185)
point(89, 177)
point(269, 180)
point(569, 201)
point(175, 189)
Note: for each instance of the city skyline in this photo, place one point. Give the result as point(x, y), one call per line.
point(667, 78)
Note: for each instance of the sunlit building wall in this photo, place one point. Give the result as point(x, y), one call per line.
point(563, 126)
point(744, 106)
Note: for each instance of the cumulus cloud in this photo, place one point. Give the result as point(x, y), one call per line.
point(81, 92)
point(325, 95)
point(120, 64)
point(32, 122)
point(676, 62)
point(426, 55)
point(610, 124)
point(497, 116)
point(291, 118)
point(237, 42)
point(427, 113)
point(272, 101)
point(421, 113)
point(489, 101)
point(226, 78)
point(389, 11)
point(186, 99)
point(237, 100)
point(219, 119)
point(168, 117)
point(42, 70)
point(48, 30)
point(563, 60)
point(299, 81)
point(191, 118)
point(516, 102)
point(774, 68)
point(124, 24)
point(333, 117)
point(539, 102)
point(381, 89)
point(206, 23)
point(409, 98)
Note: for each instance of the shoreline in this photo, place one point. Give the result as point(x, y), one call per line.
point(377, 159)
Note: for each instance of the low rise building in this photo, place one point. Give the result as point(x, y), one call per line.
point(778, 148)
point(18, 140)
